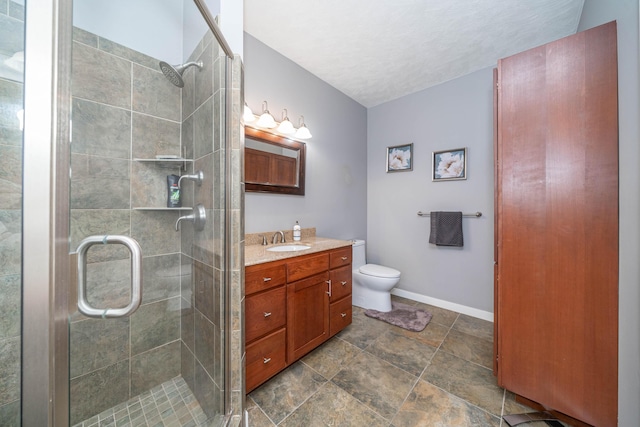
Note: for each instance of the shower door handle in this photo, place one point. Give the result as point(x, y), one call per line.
point(84, 306)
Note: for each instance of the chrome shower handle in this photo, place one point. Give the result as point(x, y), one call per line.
point(198, 217)
point(198, 177)
point(84, 306)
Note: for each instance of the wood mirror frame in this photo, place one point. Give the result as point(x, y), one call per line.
point(260, 166)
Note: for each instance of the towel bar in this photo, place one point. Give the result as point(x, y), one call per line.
point(475, 215)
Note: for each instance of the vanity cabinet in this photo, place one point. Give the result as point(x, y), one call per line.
point(291, 307)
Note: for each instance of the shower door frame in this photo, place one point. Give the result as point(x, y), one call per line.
point(45, 223)
point(48, 284)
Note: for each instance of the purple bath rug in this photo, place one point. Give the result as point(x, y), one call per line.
point(402, 315)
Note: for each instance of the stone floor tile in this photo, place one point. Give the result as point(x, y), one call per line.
point(281, 395)
point(405, 353)
point(331, 356)
point(465, 379)
point(332, 406)
point(376, 383)
point(428, 405)
point(469, 347)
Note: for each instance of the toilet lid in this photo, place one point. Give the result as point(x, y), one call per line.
point(379, 271)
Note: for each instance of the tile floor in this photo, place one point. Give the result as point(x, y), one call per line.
point(171, 404)
point(375, 374)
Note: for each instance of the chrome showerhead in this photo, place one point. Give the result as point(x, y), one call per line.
point(174, 72)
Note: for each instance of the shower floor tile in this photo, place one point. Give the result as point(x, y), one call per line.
point(171, 404)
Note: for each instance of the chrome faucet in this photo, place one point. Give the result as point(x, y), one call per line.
point(274, 240)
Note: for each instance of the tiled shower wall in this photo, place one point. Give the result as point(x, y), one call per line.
point(202, 323)
point(11, 101)
point(125, 109)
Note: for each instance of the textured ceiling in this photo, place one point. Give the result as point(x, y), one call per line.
point(378, 50)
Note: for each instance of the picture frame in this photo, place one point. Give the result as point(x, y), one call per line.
point(400, 158)
point(449, 165)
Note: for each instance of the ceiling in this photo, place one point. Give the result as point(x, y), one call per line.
point(375, 51)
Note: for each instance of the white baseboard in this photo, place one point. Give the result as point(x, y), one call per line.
point(470, 311)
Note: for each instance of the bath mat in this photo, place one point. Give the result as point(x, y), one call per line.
point(402, 315)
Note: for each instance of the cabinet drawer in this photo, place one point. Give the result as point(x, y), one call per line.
point(340, 282)
point(265, 312)
point(340, 257)
point(261, 277)
point(340, 315)
point(265, 358)
point(307, 266)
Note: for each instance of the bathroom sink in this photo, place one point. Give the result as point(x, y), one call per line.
point(288, 248)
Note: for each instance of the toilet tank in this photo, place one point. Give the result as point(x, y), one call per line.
point(359, 254)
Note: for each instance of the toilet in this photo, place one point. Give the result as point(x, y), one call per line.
point(372, 283)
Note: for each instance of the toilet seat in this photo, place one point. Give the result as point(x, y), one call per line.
point(379, 271)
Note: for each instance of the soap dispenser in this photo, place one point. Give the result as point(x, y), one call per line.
point(296, 232)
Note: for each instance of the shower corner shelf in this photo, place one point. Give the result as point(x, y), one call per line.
point(186, 208)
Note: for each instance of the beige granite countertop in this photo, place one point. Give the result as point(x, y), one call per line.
point(258, 254)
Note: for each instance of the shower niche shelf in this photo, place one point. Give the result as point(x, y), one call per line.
point(186, 208)
point(168, 162)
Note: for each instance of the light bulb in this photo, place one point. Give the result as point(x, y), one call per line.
point(286, 127)
point(248, 115)
point(303, 131)
point(266, 120)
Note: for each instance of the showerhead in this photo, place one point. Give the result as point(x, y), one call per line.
point(174, 72)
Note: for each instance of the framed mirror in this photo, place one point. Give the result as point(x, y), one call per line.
point(273, 163)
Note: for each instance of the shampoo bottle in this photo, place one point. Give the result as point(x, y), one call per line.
point(296, 232)
point(173, 192)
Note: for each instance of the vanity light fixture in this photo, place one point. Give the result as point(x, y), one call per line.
point(247, 115)
point(266, 120)
point(303, 131)
point(286, 127)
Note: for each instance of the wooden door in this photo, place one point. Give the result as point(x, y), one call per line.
point(307, 315)
point(557, 227)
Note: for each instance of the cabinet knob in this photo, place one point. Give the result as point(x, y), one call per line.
point(343, 283)
point(343, 314)
point(266, 279)
point(266, 360)
point(267, 314)
point(344, 258)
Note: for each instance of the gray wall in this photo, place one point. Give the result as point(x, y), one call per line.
point(336, 178)
point(148, 26)
point(625, 12)
point(451, 115)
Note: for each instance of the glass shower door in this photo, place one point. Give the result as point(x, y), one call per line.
point(133, 126)
point(11, 113)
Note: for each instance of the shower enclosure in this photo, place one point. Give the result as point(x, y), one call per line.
point(11, 106)
point(140, 323)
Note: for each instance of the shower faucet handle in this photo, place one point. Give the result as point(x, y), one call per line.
point(198, 217)
point(198, 177)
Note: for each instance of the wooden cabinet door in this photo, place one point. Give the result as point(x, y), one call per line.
point(307, 315)
point(557, 228)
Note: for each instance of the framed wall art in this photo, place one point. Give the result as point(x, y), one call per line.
point(400, 158)
point(449, 165)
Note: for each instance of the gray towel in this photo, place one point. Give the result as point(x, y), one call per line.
point(446, 229)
